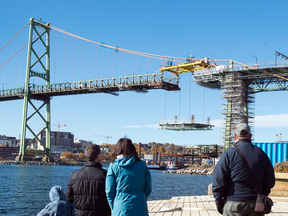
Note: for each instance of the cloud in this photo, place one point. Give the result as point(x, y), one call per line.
point(262, 108)
point(132, 126)
point(142, 126)
point(217, 122)
point(152, 126)
point(280, 120)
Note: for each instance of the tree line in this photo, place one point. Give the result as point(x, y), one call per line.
point(149, 148)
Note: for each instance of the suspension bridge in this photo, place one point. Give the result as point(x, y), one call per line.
point(102, 68)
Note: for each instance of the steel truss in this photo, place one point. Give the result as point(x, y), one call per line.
point(41, 37)
point(138, 83)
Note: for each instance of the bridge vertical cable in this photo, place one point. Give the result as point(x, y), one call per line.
point(55, 63)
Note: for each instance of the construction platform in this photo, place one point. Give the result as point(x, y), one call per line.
point(202, 206)
point(181, 125)
point(185, 126)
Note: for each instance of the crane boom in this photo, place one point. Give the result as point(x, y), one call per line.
point(58, 130)
point(107, 137)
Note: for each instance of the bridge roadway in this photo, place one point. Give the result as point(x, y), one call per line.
point(260, 78)
point(138, 83)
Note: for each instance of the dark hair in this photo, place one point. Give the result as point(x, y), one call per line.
point(244, 135)
point(124, 146)
point(91, 152)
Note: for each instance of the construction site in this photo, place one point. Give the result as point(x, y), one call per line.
point(238, 82)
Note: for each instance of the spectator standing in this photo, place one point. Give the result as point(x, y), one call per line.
point(128, 182)
point(86, 187)
point(232, 188)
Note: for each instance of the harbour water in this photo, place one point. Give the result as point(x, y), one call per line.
point(24, 189)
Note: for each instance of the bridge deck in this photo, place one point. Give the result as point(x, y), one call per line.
point(138, 83)
point(261, 78)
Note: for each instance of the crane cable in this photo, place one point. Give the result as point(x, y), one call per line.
point(92, 62)
point(55, 64)
point(180, 101)
point(189, 95)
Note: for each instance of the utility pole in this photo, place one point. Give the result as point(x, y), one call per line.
point(256, 58)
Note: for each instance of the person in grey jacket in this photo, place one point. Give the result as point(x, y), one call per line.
point(58, 206)
point(232, 187)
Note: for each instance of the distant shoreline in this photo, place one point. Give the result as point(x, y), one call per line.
point(42, 163)
point(192, 171)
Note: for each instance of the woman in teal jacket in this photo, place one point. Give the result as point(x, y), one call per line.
point(128, 181)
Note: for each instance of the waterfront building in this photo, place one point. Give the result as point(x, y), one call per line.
point(60, 141)
point(145, 146)
point(104, 149)
point(85, 144)
point(80, 145)
point(8, 147)
point(11, 141)
point(8, 153)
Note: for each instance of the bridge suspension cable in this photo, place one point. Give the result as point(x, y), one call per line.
point(18, 50)
point(14, 36)
point(115, 48)
point(161, 57)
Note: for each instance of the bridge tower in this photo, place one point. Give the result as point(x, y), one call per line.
point(239, 105)
point(40, 56)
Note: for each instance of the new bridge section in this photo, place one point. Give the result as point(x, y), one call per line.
point(239, 83)
point(138, 83)
point(261, 77)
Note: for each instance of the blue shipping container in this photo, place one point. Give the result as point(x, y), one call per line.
point(277, 152)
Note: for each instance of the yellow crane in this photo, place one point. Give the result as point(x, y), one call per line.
point(201, 64)
point(195, 65)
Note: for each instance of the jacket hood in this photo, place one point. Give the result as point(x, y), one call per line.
point(57, 193)
point(125, 161)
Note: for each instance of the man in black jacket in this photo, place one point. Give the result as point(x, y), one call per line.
point(232, 187)
point(86, 187)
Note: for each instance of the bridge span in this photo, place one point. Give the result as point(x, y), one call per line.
point(137, 83)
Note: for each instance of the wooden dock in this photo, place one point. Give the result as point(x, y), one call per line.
point(202, 206)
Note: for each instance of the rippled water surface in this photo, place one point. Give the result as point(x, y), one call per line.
point(24, 189)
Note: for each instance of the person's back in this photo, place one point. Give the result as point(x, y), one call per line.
point(128, 184)
point(58, 206)
point(238, 185)
point(86, 188)
point(232, 188)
